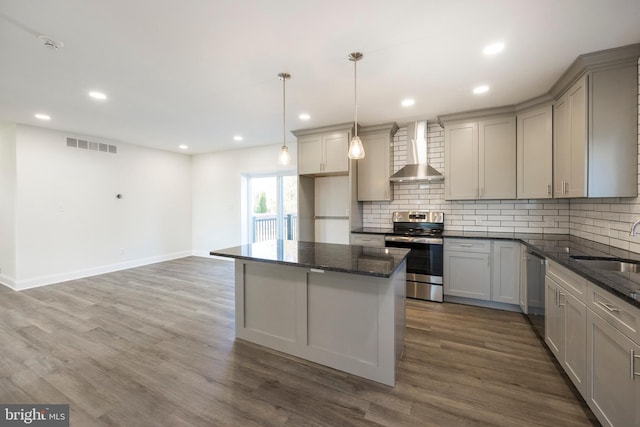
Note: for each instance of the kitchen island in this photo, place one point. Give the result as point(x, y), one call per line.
point(341, 306)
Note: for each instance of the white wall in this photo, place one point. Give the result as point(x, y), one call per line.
point(70, 223)
point(217, 192)
point(7, 204)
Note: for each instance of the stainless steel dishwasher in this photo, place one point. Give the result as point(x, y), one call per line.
point(536, 269)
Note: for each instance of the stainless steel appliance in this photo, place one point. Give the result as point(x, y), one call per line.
point(535, 291)
point(420, 231)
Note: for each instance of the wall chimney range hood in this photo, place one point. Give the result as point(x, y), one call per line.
point(417, 168)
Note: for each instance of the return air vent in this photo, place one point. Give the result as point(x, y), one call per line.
point(90, 145)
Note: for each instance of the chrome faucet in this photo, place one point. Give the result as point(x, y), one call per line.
point(633, 231)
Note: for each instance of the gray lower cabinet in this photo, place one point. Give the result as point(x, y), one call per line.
point(614, 387)
point(505, 272)
point(594, 335)
point(613, 359)
point(467, 268)
point(565, 321)
point(482, 270)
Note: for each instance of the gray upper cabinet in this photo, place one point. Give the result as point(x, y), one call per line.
point(535, 153)
point(570, 156)
point(480, 159)
point(323, 151)
point(377, 166)
point(497, 158)
point(461, 161)
point(595, 131)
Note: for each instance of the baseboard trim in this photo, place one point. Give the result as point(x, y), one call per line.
point(37, 282)
point(7, 281)
point(482, 303)
point(205, 254)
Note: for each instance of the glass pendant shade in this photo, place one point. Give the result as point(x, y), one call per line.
point(356, 150)
point(285, 158)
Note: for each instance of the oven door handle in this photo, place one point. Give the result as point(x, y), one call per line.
point(410, 239)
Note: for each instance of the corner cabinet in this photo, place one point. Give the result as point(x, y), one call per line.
point(535, 153)
point(480, 159)
point(596, 135)
point(376, 167)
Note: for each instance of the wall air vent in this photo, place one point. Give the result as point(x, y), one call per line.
point(90, 145)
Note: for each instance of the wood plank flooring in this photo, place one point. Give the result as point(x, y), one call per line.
point(154, 346)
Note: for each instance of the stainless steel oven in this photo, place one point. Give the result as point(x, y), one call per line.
point(421, 232)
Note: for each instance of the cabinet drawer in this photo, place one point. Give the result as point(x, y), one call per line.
point(468, 245)
point(375, 240)
point(621, 315)
point(571, 282)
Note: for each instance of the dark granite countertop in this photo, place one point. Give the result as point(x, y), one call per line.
point(560, 248)
point(379, 262)
point(372, 230)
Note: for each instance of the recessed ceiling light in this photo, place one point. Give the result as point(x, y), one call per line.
point(41, 116)
point(408, 102)
point(494, 48)
point(481, 89)
point(183, 146)
point(304, 116)
point(98, 95)
point(237, 138)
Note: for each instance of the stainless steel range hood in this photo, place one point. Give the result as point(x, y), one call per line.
point(417, 168)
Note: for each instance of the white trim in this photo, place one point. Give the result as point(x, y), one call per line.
point(36, 282)
point(7, 281)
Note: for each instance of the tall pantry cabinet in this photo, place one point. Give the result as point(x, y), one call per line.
point(327, 185)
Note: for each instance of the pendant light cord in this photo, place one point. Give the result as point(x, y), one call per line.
point(355, 92)
point(284, 144)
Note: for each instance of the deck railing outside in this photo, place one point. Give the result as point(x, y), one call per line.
point(266, 227)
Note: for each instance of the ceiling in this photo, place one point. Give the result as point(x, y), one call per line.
point(198, 72)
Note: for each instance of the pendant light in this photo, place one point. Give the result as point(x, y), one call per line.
point(356, 150)
point(285, 158)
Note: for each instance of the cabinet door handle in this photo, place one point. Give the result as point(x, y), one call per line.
point(561, 302)
point(632, 359)
point(555, 296)
point(466, 245)
point(549, 189)
point(610, 308)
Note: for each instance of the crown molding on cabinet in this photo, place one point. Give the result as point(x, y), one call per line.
point(331, 128)
point(389, 127)
point(586, 62)
point(604, 58)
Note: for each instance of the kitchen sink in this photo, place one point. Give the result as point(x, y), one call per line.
point(609, 264)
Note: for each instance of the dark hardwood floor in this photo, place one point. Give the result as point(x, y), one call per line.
point(154, 346)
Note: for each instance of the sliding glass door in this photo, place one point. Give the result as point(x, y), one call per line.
point(273, 207)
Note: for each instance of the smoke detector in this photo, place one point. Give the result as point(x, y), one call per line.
point(50, 43)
